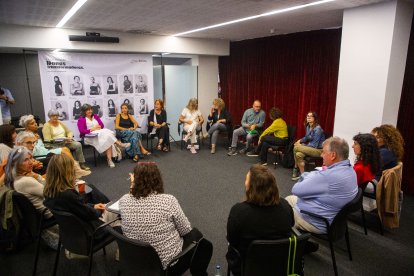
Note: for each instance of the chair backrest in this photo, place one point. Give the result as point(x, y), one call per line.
point(291, 133)
point(75, 234)
point(30, 217)
point(338, 226)
point(270, 257)
point(135, 257)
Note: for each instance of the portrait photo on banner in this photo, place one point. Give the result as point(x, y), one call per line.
point(141, 83)
point(111, 86)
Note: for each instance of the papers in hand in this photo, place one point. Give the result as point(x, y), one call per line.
point(113, 207)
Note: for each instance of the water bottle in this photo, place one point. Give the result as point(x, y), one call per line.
point(218, 271)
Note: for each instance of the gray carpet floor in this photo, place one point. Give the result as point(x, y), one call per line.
point(207, 186)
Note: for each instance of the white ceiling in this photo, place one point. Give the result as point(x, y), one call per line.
point(163, 17)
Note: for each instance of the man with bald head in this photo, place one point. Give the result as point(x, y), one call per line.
point(324, 192)
point(251, 123)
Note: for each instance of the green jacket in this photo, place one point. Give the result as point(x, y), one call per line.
point(47, 131)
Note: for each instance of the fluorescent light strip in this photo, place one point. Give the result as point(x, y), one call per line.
point(255, 16)
point(70, 13)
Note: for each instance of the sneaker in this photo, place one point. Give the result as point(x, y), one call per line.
point(84, 166)
point(243, 151)
point(252, 154)
point(69, 255)
point(124, 145)
point(206, 135)
point(233, 151)
point(262, 163)
point(193, 150)
point(111, 164)
point(296, 178)
point(295, 172)
point(213, 149)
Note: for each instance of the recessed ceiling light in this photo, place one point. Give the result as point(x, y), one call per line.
point(70, 13)
point(255, 16)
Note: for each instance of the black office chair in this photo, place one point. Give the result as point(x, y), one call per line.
point(339, 226)
point(182, 133)
point(151, 136)
point(32, 222)
point(372, 195)
point(228, 133)
point(280, 151)
point(79, 237)
point(274, 257)
point(312, 162)
point(95, 153)
point(140, 258)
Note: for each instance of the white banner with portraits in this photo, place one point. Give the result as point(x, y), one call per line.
point(105, 81)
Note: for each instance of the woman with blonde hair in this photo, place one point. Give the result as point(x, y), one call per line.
point(220, 121)
point(60, 194)
point(30, 124)
point(192, 120)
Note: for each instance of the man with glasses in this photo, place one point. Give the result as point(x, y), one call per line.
point(324, 192)
point(251, 124)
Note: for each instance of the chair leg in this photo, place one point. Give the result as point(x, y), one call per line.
point(94, 157)
point(104, 250)
point(348, 244)
point(37, 251)
point(363, 220)
point(333, 257)
point(90, 263)
point(57, 258)
point(381, 226)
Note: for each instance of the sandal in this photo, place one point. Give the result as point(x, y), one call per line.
point(159, 147)
point(136, 158)
point(146, 153)
point(165, 149)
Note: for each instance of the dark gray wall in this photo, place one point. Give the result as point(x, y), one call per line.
point(13, 76)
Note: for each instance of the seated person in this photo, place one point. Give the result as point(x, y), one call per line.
point(29, 123)
point(104, 140)
point(310, 145)
point(157, 122)
point(127, 130)
point(60, 194)
point(391, 147)
point(367, 161)
point(275, 135)
point(149, 215)
point(220, 121)
point(55, 129)
point(7, 140)
point(21, 178)
point(192, 121)
point(263, 215)
point(324, 192)
point(28, 140)
point(251, 123)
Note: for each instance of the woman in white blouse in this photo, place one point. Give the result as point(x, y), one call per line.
point(193, 120)
point(151, 216)
point(102, 139)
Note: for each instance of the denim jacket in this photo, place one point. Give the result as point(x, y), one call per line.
point(313, 137)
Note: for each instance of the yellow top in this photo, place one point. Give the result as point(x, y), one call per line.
point(278, 128)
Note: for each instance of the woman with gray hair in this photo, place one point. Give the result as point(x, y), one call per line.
point(28, 140)
point(21, 178)
point(192, 120)
point(56, 131)
point(29, 123)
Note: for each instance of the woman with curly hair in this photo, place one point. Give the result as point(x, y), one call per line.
point(149, 215)
point(367, 162)
point(391, 146)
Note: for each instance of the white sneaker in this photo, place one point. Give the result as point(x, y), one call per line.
point(111, 164)
point(193, 150)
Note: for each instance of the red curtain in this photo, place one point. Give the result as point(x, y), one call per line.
point(295, 72)
point(405, 118)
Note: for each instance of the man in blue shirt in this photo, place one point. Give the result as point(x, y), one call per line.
point(6, 99)
point(324, 192)
point(251, 123)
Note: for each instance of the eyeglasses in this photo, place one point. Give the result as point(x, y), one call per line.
point(309, 116)
point(30, 143)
